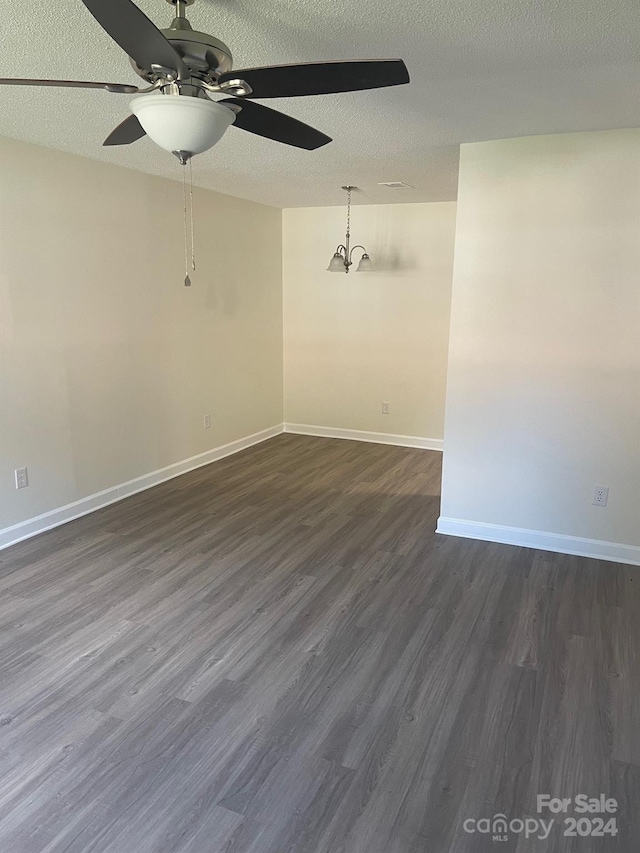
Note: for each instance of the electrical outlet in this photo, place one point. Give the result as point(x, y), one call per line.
point(600, 495)
point(21, 478)
point(386, 408)
point(207, 421)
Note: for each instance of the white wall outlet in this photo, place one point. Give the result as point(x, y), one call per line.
point(21, 478)
point(600, 495)
point(386, 408)
point(207, 421)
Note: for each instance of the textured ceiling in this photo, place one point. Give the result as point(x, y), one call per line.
point(480, 69)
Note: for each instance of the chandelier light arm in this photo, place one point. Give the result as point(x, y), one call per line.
point(353, 250)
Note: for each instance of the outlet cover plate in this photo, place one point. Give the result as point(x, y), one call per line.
point(600, 496)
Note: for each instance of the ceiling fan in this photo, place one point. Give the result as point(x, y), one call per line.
point(186, 66)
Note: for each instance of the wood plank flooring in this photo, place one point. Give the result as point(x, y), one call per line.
point(275, 654)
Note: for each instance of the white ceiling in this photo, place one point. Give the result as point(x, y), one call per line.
point(480, 69)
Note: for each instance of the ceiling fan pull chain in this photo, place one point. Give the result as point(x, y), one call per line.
point(187, 280)
point(193, 244)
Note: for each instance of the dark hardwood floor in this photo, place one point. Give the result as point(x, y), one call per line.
point(275, 654)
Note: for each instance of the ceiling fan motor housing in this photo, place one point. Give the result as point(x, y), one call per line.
point(204, 55)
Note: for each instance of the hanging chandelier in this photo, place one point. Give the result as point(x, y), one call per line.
point(342, 258)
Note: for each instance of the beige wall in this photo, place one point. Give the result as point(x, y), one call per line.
point(352, 342)
point(108, 363)
point(543, 396)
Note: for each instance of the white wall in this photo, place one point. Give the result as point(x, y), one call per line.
point(353, 341)
point(108, 363)
point(543, 394)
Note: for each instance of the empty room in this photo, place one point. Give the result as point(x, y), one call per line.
point(320, 426)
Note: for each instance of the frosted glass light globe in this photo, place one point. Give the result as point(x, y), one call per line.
point(182, 123)
point(365, 264)
point(336, 264)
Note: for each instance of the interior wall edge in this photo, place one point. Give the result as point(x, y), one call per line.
point(598, 549)
point(61, 515)
point(363, 435)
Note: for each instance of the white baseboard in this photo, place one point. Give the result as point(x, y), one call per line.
point(363, 435)
point(597, 549)
point(61, 515)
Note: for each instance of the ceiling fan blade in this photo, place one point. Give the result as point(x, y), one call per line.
point(275, 125)
point(128, 131)
point(319, 78)
point(70, 84)
point(139, 37)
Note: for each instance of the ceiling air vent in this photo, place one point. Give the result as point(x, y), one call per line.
point(396, 185)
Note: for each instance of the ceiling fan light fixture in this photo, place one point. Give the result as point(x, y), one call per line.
point(182, 123)
point(188, 62)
